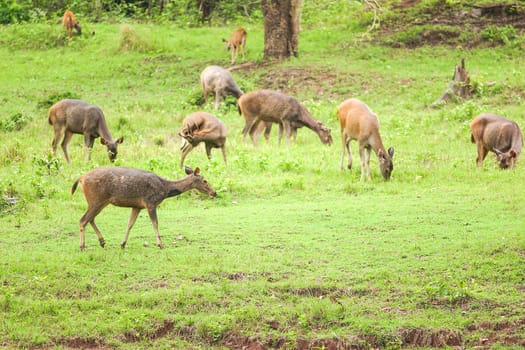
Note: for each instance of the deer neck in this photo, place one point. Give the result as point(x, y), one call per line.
point(179, 186)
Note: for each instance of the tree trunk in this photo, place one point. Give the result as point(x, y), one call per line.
point(282, 24)
point(460, 86)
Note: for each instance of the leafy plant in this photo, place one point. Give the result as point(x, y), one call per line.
point(14, 123)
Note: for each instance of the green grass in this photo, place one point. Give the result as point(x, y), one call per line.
point(293, 249)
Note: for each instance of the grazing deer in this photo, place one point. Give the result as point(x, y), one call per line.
point(70, 117)
point(359, 123)
point(70, 22)
point(265, 106)
point(236, 43)
point(135, 189)
point(202, 127)
point(494, 133)
point(219, 81)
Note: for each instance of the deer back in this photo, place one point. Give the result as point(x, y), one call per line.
point(218, 79)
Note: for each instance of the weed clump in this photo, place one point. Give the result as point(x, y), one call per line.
point(15, 122)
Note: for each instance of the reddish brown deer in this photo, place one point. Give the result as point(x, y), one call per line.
point(70, 22)
point(219, 81)
point(202, 127)
point(494, 133)
point(70, 117)
point(359, 123)
point(135, 189)
point(265, 106)
point(236, 43)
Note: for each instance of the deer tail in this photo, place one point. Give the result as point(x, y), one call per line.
point(472, 139)
point(74, 188)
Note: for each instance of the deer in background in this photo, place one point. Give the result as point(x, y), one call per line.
point(494, 133)
point(359, 123)
point(202, 127)
point(266, 106)
point(236, 43)
point(219, 81)
point(70, 117)
point(135, 189)
point(70, 22)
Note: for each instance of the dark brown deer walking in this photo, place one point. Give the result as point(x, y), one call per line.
point(70, 117)
point(497, 134)
point(202, 127)
point(135, 189)
point(70, 22)
point(266, 106)
point(359, 123)
point(236, 43)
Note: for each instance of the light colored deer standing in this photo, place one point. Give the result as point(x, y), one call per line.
point(135, 189)
point(217, 80)
point(236, 43)
point(70, 117)
point(202, 127)
point(359, 123)
point(70, 22)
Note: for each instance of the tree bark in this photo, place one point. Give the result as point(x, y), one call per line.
point(282, 24)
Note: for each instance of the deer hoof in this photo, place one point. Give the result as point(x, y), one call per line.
point(161, 246)
point(123, 245)
point(102, 242)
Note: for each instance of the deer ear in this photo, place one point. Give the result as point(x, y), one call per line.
point(120, 140)
point(103, 141)
point(188, 170)
point(381, 154)
point(391, 152)
point(513, 153)
point(197, 171)
point(497, 151)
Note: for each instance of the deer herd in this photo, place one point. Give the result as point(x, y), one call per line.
point(138, 189)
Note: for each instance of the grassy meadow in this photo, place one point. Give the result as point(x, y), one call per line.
point(294, 253)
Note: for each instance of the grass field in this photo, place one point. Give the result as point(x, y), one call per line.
point(294, 253)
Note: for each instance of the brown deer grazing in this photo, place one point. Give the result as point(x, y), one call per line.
point(219, 81)
point(359, 123)
point(202, 127)
point(70, 22)
point(78, 117)
point(135, 189)
point(236, 43)
point(265, 106)
point(494, 133)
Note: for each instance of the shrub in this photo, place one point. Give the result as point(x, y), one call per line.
point(15, 122)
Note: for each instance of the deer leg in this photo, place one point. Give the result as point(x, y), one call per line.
point(242, 50)
point(345, 146)
point(89, 217)
point(208, 150)
point(132, 218)
point(185, 150)
point(288, 130)
point(254, 134)
point(482, 153)
point(362, 156)
point(234, 54)
point(267, 131)
point(154, 221)
point(216, 101)
point(368, 151)
point(58, 134)
point(280, 135)
point(247, 126)
point(223, 149)
point(65, 142)
point(88, 143)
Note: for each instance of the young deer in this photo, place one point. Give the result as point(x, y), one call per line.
point(135, 189)
point(236, 43)
point(70, 22)
point(494, 133)
point(202, 127)
point(70, 117)
point(359, 123)
point(265, 106)
point(219, 81)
